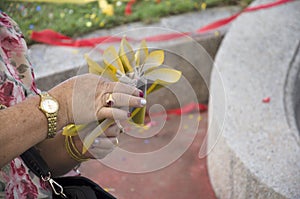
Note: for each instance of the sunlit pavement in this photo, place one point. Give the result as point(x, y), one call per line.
point(186, 178)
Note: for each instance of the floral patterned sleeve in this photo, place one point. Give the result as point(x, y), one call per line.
point(16, 83)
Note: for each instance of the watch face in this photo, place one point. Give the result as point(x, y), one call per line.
point(49, 105)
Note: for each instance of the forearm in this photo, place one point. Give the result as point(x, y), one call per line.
point(22, 126)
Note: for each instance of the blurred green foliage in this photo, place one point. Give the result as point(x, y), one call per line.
point(77, 19)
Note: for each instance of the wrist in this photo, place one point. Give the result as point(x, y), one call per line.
point(63, 118)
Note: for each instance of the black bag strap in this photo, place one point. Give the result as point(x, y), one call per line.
point(39, 167)
point(35, 162)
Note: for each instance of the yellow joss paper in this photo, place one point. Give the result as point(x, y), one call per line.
point(126, 55)
point(72, 130)
point(140, 68)
point(89, 139)
point(111, 58)
point(94, 67)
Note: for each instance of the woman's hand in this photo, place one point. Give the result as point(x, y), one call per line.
point(83, 99)
point(103, 145)
point(61, 162)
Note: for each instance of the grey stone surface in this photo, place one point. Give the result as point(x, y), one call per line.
point(53, 64)
point(254, 147)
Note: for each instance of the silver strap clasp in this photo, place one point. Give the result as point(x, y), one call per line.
point(57, 188)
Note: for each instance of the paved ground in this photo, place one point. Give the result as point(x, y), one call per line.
point(185, 178)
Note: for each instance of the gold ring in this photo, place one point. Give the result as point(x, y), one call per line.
point(110, 101)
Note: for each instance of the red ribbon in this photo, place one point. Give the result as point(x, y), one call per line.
point(227, 20)
point(53, 38)
point(189, 108)
point(166, 37)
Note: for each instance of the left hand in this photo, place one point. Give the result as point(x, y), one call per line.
point(103, 145)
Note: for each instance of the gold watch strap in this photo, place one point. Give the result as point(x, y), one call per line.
point(52, 118)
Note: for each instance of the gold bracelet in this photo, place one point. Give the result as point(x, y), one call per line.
point(73, 151)
point(68, 149)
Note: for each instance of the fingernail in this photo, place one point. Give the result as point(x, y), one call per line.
point(141, 94)
point(143, 102)
point(129, 114)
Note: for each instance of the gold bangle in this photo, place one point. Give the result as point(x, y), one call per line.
point(73, 151)
point(68, 149)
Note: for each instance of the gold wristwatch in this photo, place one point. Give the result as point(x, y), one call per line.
point(49, 106)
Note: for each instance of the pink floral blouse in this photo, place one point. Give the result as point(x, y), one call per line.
point(16, 83)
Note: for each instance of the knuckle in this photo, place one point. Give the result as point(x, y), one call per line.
point(106, 85)
point(118, 87)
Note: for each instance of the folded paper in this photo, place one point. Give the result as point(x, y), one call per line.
point(139, 68)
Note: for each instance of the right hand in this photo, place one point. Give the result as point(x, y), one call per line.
point(82, 99)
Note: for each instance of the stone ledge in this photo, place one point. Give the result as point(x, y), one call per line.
point(254, 146)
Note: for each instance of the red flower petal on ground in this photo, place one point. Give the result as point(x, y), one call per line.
point(266, 100)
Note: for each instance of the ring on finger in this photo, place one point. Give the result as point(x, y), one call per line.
point(110, 100)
